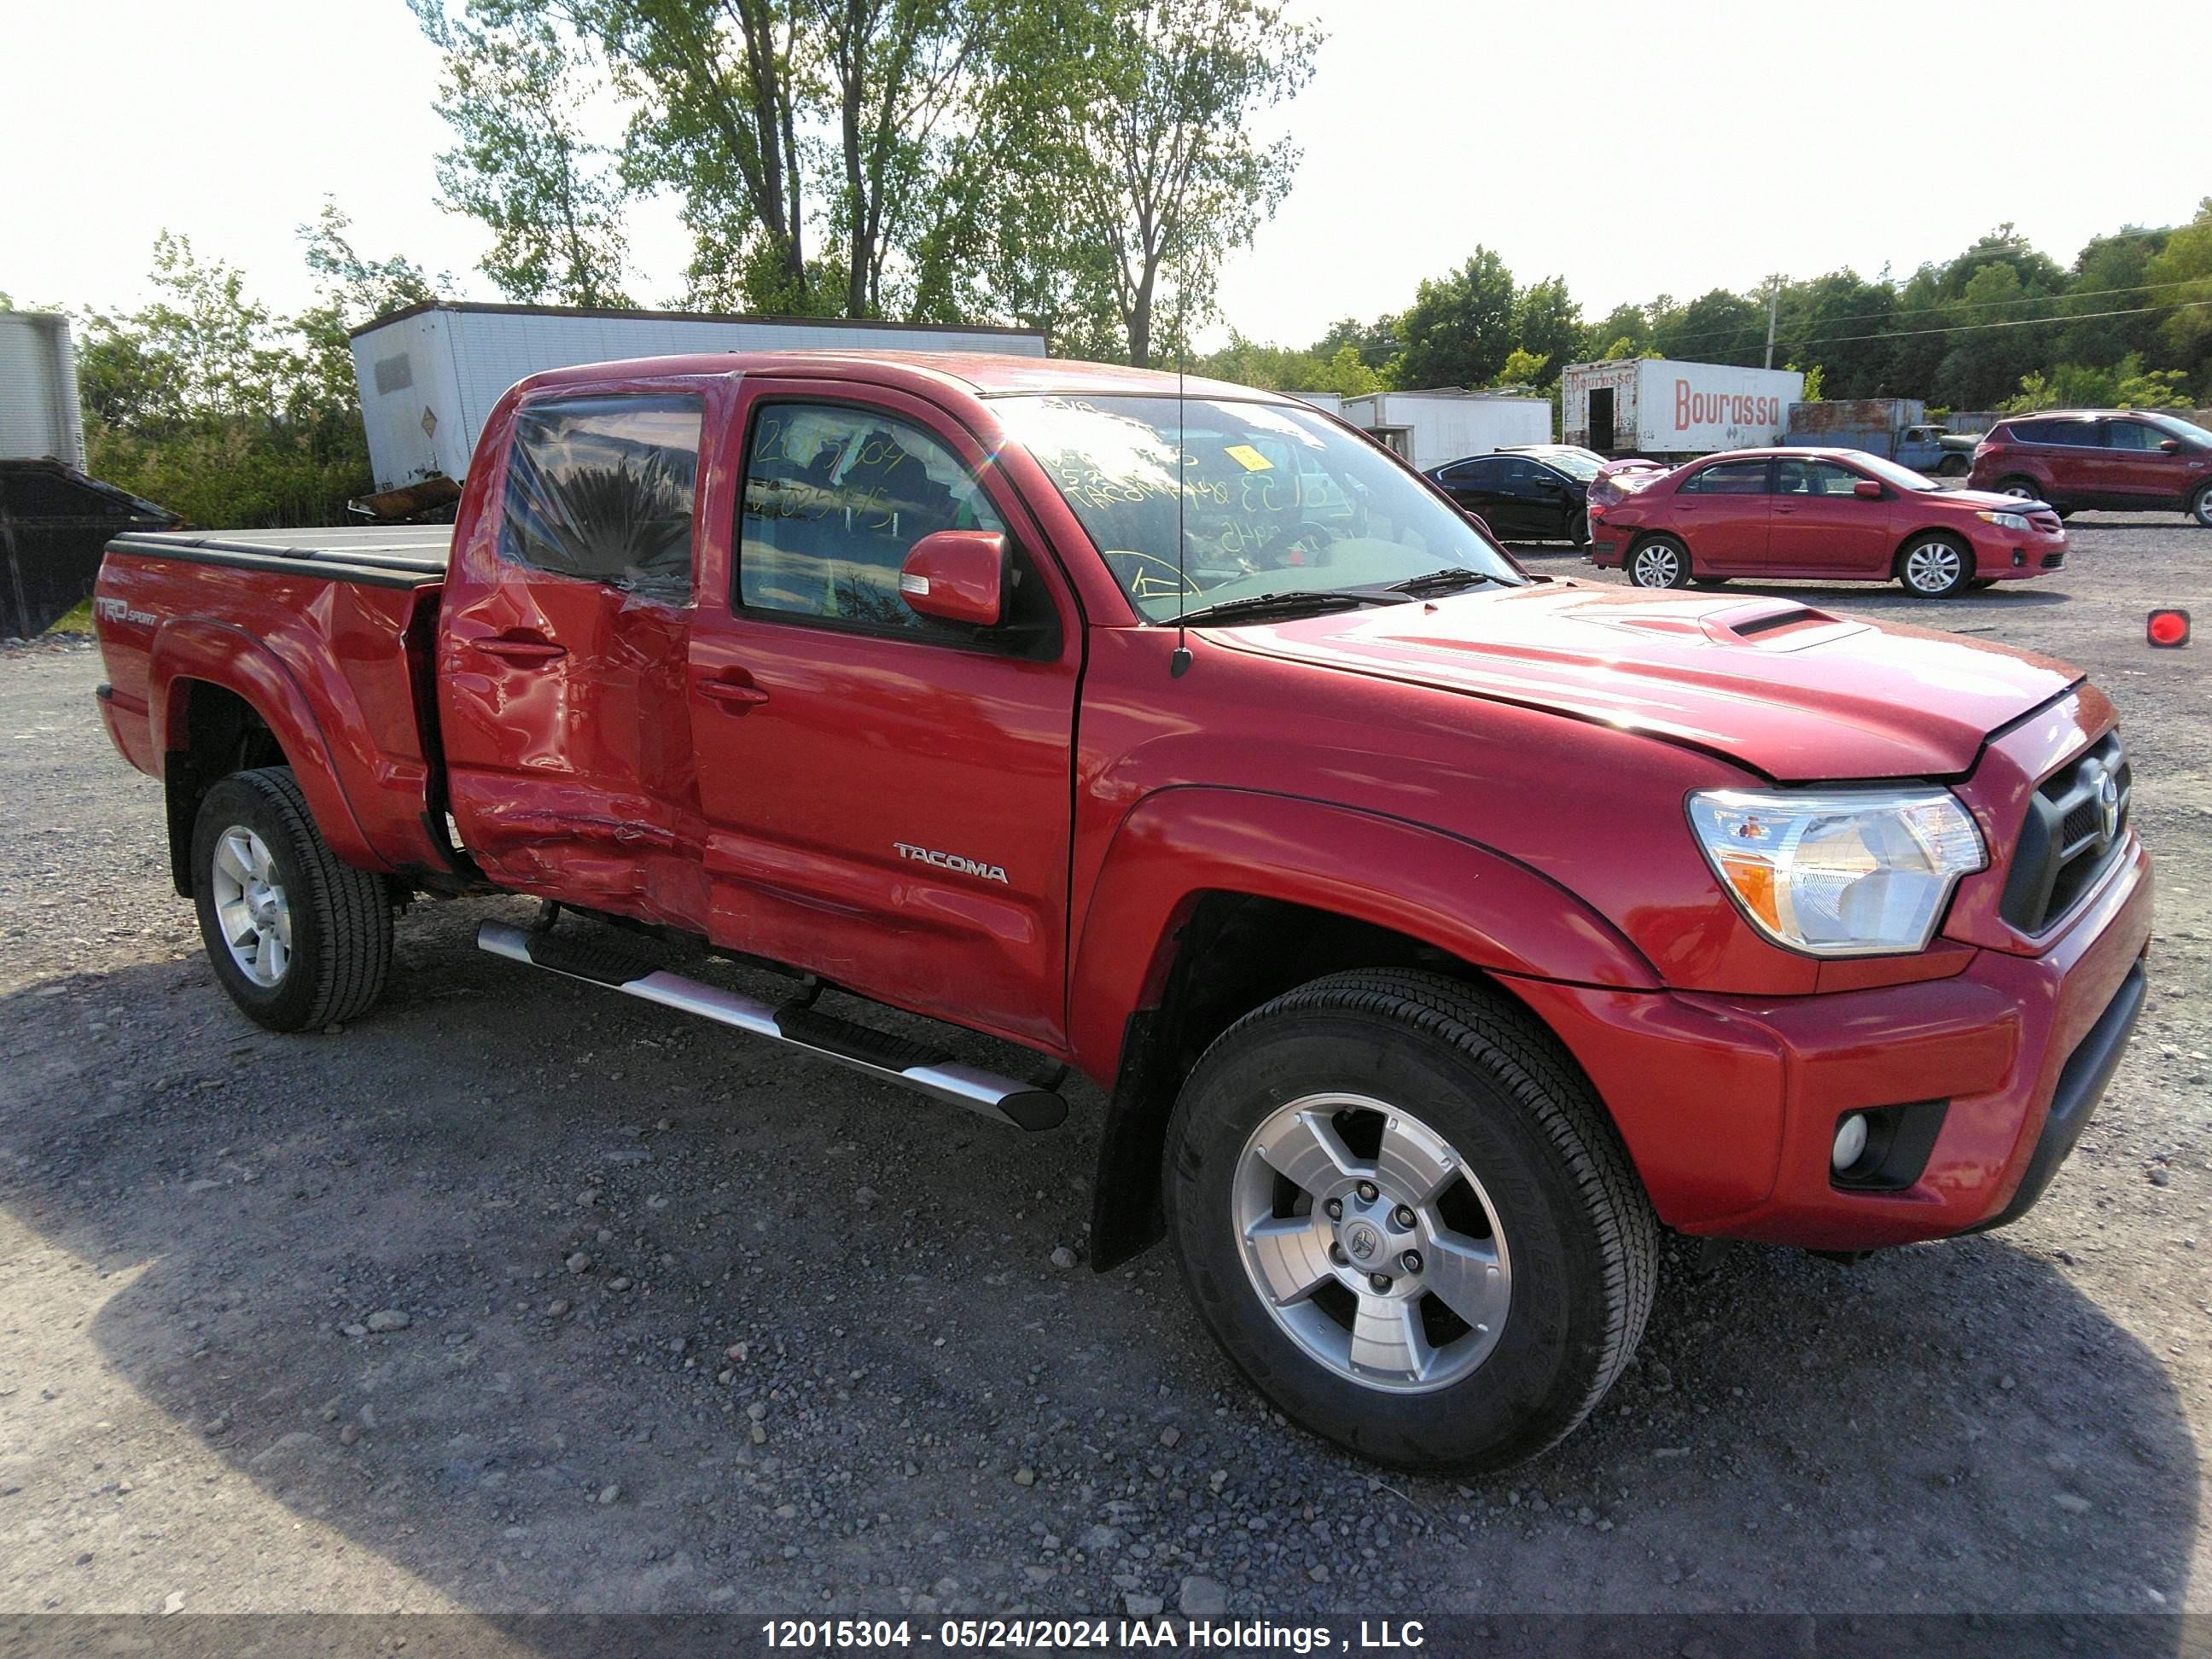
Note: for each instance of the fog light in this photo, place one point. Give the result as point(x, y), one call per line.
point(1851, 1141)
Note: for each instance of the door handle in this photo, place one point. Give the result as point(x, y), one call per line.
point(736, 695)
point(520, 651)
point(1785, 509)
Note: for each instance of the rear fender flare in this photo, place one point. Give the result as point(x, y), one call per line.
point(224, 655)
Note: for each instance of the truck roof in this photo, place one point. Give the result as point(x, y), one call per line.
point(985, 375)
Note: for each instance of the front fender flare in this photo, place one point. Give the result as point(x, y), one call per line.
point(1461, 896)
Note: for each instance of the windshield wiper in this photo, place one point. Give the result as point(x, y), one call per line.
point(1450, 580)
point(1262, 607)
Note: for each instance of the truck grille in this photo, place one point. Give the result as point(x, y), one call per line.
point(2074, 829)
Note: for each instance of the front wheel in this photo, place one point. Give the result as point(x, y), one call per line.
point(1409, 1222)
point(2200, 506)
point(298, 939)
point(1935, 567)
point(1663, 561)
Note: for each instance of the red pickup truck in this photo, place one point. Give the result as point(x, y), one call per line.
point(1440, 931)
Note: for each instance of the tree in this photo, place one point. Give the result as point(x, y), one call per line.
point(1375, 344)
point(1548, 325)
point(1523, 369)
point(1155, 165)
point(1624, 331)
point(1716, 327)
point(512, 92)
point(349, 289)
point(1460, 328)
point(2183, 268)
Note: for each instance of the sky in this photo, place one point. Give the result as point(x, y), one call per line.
point(1634, 150)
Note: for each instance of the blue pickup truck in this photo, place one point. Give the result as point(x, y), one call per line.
point(1895, 428)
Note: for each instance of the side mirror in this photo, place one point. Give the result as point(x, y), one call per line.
point(959, 576)
point(2171, 445)
point(1867, 490)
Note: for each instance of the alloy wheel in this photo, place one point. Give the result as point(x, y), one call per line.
point(1934, 568)
point(1370, 1243)
point(1656, 567)
point(249, 904)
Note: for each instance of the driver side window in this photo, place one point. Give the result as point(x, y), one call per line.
point(836, 497)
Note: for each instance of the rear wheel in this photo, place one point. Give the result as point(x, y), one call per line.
point(1935, 567)
point(1578, 528)
point(298, 938)
point(1953, 467)
point(1408, 1221)
point(2200, 506)
point(1662, 561)
point(2021, 488)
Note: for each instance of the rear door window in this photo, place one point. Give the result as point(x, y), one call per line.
point(1728, 478)
point(602, 489)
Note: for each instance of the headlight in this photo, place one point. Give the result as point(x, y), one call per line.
point(2005, 520)
point(1839, 873)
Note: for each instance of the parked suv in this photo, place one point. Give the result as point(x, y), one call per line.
point(2133, 460)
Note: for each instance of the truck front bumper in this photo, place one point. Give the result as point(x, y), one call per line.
point(1729, 1106)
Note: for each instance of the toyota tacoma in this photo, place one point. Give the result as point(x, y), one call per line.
point(1439, 932)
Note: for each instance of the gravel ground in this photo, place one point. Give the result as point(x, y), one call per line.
point(517, 1295)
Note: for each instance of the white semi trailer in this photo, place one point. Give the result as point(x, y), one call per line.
point(430, 375)
point(1658, 407)
point(1448, 424)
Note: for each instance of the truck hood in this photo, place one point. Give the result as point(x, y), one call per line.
point(1790, 691)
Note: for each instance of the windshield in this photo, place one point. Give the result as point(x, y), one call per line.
point(2188, 431)
point(1896, 476)
point(1576, 465)
point(1271, 500)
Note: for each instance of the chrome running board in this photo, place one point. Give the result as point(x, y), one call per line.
point(915, 1066)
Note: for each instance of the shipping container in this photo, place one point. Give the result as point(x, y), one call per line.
point(1448, 424)
point(430, 375)
point(40, 418)
point(1655, 406)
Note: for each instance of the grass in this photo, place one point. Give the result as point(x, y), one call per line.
point(78, 620)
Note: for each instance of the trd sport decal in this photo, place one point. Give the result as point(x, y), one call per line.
point(952, 861)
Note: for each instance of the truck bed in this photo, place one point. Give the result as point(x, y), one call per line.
point(412, 555)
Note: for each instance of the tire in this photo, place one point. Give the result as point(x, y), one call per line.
point(1659, 562)
point(1407, 1071)
point(1934, 565)
point(320, 942)
point(2200, 506)
point(2020, 487)
point(1953, 467)
point(1578, 529)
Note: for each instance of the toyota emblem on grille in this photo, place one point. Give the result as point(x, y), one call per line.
point(2108, 804)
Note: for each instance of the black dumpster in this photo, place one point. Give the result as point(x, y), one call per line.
point(54, 521)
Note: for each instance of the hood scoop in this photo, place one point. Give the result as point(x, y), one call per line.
point(1767, 624)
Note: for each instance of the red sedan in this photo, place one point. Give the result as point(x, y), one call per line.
point(1819, 515)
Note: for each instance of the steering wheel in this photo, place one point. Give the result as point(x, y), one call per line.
point(1148, 576)
point(1317, 538)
